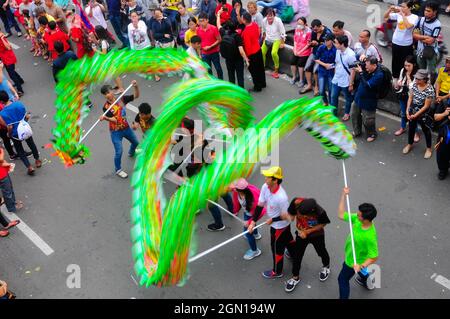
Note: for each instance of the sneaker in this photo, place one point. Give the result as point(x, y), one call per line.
point(359, 281)
point(250, 254)
point(293, 81)
point(214, 227)
point(4, 233)
point(14, 157)
point(275, 75)
point(8, 35)
point(30, 171)
point(324, 273)
point(270, 274)
point(19, 34)
point(257, 236)
point(291, 284)
point(121, 173)
point(442, 175)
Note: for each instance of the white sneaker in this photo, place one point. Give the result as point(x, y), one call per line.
point(121, 173)
point(258, 236)
point(291, 284)
point(250, 254)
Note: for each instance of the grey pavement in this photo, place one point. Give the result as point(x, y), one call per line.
point(82, 212)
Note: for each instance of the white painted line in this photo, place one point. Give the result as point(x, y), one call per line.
point(441, 280)
point(42, 245)
point(14, 46)
point(134, 282)
point(132, 108)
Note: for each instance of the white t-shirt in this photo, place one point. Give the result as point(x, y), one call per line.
point(403, 36)
point(371, 50)
point(341, 77)
point(276, 204)
point(191, 51)
point(274, 31)
point(97, 16)
point(138, 36)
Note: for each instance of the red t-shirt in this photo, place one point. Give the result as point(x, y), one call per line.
point(250, 37)
point(7, 56)
point(209, 36)
point(226, 15)
point(77, 33)
point(51, 38)
point(4, 170)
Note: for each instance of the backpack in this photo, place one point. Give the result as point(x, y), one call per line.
point(228, 46)
point(287, 14)
point(386, 85)
point(23, 130)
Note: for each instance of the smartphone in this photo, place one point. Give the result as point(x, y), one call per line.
point(224, 8)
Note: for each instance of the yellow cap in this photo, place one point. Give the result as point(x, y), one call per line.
point(274, 171)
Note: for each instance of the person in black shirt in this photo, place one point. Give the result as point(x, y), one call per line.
point(311, 220)
point(144, 119)
point(442, 117)
point(63, 58)
point(232, 50)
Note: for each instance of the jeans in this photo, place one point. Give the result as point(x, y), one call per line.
point(235, 69)
point(215, 211)
point(8, 194)
point(15, 77)
point(325, 86)
point(344, 280)
point(116, 138)
point(215, 59)
point(362, 117)
point(335, 92)
point(250, 237)
point(21, 152)
point(117, 25)
point(403, 104)
point(9, 20)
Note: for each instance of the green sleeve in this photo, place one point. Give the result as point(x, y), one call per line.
point(372, 249)
point(354, 217)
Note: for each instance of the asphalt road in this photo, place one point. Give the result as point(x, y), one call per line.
point(82, 213)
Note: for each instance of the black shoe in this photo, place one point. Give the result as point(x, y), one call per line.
point(442, 175)
point(255, 89)
point(8, 35)
point(214, 227)
point(13, 157)
point(360, 282)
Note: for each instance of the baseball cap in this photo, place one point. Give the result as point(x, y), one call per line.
point(274, 171)
point(421, 74)
point(241, 184)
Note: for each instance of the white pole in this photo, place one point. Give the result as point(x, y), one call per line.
point(109, 108)
point(206, 252)
point(349, 214)
point(227, 211)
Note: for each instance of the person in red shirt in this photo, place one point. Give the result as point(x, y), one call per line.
point(9, 60)
point(9, 197)
point(54, 35)
point(79, 36)
point(250, 37)
point(210, 44)
point(225, 14)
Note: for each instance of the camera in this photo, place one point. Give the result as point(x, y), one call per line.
point(355, 64)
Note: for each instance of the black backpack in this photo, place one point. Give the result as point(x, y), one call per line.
point(228, 46)
point(386, 85)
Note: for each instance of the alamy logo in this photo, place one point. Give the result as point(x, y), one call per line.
point(374, 280)
point(74, 279)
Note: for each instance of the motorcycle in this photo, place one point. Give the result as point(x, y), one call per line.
point(385, 31)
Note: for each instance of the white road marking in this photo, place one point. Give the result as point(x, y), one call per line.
point(14, 46)
point(132, 108)
point(441, 280)
point(42, 245)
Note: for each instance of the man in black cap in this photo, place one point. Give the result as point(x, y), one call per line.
point(311, 220)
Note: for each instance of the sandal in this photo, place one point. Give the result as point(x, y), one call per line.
point(305, 90)
point(12, 224)
point(346, 117)
point(4, 233)
point(19, 205)
point(371, 138)
point(157, 78)
point(416, 138)
point(399, 132)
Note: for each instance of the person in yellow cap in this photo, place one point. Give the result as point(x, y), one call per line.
point(274, 198)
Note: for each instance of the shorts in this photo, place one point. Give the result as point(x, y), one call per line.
point(299, 61)
point(311, 65)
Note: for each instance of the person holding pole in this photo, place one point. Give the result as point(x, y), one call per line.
point(362, 251)
point(115, 114)
point(274, 198)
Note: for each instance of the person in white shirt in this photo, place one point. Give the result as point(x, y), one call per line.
point(94, 11)
point(195, 47)
point(137, 33)
point(275, 199)
point(342, 76)
point(365, 48)
point(338, 30)
point(402, 40)
point(274, 35)
point(257, 17)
